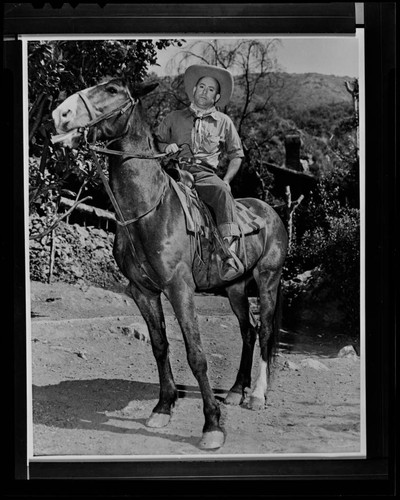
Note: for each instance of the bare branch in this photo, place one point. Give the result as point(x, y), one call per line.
point(68, 212)
point(57, 222)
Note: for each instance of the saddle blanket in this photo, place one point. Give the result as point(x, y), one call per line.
point(199, 219)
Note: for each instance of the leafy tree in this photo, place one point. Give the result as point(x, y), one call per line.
point(57, 69)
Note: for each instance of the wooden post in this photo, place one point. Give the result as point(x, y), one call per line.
point(290, 209)
point(52, 254)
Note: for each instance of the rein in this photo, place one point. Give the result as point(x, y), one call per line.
point(130, 102)
point(129, 154)
point(120, 220)
point(120, 110)
point(120, 217)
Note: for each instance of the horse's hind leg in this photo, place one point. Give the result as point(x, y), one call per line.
point(150, 306)
point(240, 306)
point(268, 281)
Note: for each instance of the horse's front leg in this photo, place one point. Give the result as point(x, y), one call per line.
point(181, 296)
point(149, 304)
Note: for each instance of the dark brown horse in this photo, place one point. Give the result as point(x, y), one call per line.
point(153, 250)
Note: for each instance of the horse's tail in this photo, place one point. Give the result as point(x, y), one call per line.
point(273, 340)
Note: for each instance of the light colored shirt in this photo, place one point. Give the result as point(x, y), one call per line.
point(208, 136)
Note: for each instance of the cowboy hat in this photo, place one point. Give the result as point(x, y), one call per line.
point(223, 77)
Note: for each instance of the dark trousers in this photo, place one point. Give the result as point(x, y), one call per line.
point(215, 193)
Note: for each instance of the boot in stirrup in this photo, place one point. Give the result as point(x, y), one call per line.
point(231, 266)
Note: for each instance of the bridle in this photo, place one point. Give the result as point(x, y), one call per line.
point(130, 103)
point(120, 110)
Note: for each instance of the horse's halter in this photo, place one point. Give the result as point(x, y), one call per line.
point(120, 110)
point(120, 220)
point(129, 103)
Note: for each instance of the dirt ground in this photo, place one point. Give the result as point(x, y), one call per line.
point(94, 383)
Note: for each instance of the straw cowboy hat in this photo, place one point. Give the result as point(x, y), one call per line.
point(223, 77)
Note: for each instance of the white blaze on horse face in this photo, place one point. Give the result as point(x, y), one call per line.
point(71, 113)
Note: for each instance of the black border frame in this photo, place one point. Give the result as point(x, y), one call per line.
point(372, 476)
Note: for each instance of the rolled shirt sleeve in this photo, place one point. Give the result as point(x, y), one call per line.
point(233, 145)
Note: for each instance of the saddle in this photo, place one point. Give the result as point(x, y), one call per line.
point(207, 243)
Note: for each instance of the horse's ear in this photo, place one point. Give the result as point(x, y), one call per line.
point(142, 90)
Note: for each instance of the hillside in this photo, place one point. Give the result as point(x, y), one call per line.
point(302, 91)
point(310, 90)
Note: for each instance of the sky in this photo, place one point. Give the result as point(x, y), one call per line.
point(327, 55)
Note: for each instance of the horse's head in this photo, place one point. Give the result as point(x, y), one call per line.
point(104, 107)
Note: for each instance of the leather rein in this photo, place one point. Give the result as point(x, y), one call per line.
point(129, 103)
point(120, 110)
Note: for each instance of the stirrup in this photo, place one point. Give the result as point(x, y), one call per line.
point(228, 272)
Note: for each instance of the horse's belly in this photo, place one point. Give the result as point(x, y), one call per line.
point(205, 267)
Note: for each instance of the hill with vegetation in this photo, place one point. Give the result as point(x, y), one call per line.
point(311, 90)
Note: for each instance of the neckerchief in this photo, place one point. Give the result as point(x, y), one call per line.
point(197, 131)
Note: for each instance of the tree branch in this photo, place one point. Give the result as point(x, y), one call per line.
point(44, 100)
point(55, 224)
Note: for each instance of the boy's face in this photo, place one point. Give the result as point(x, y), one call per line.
point(206, 92)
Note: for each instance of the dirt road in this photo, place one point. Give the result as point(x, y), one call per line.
point(94, 383)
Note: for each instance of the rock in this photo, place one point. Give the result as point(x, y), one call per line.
point(77, 271)
point(136, 330)
point(291, 366)
point(81, 230)
point(315, 364)
point(99, 254)
point(347, 352)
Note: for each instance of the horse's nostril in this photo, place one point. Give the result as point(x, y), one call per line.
point(66, 113)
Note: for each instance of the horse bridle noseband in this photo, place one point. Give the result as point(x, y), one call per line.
point(120, 110)
point(130, 101)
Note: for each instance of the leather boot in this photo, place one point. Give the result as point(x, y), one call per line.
point(231, 266)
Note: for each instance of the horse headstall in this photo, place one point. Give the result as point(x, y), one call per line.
point(84, 130)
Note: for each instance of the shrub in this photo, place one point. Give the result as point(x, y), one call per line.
point(333, 253)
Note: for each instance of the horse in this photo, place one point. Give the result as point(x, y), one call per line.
point(153, 251)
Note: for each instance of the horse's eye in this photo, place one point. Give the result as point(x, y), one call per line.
point(112, 90)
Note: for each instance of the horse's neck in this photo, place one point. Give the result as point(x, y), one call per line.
point(137, 183)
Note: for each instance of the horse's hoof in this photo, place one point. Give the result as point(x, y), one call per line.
point(256, 403)
point(212, 440)
point(158, 420)
point(234, 398)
